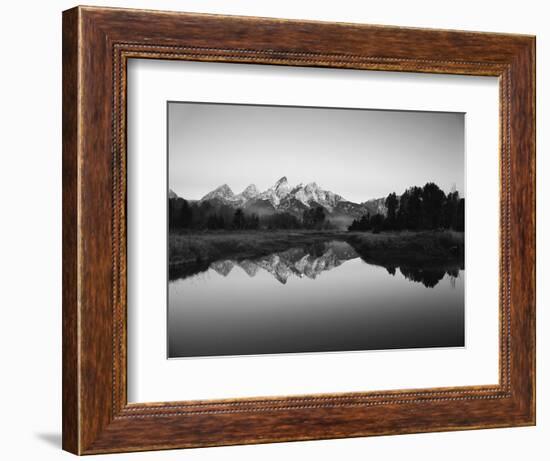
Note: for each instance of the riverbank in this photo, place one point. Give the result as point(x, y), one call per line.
point(423, 248)
point(199, 249)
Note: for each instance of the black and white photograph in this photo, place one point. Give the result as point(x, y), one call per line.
point(275, 230)
point(310, 229)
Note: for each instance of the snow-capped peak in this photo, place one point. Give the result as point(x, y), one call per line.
point(282, 187)
point(250, 191)
point(276, 192)
point(281, 181)
point(278, 195)
point(223, 192)
point(312, 193)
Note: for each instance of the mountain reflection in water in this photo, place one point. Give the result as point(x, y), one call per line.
point(312, 260)
point(314, 298)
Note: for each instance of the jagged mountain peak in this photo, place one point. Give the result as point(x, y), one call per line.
point(283, 197)
point(282, 187)
point(225, 188)
point(250, 191)
point(277, 192)
point(221, 192)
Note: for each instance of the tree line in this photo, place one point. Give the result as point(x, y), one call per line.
point(418, 208)
point(205, 216)
point(185, 215)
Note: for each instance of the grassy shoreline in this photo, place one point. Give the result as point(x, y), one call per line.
point(197, 249)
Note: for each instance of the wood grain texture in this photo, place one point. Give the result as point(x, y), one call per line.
point(97, 42)
point(70, 385)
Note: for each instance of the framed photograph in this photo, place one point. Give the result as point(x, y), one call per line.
point(282, 230)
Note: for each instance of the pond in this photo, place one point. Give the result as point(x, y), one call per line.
point(321, 298)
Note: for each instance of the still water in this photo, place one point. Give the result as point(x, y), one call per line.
point(302, 300)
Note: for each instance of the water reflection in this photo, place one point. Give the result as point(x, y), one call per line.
point(317, 298)
point(308, 261)
point(312, 260)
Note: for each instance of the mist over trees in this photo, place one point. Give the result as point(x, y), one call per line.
point(418, 208)
point(184, 215)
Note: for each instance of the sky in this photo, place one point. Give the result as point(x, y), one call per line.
point(357, 153)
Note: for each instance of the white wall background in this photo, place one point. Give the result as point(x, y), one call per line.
point(30, 232)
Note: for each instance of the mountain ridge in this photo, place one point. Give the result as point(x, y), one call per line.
point(282, 197)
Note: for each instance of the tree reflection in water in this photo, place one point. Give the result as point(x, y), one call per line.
point(312, 260)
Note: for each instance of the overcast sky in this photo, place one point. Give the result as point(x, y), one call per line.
point(359, 154)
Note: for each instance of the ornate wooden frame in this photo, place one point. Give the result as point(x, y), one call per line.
point(97, 43)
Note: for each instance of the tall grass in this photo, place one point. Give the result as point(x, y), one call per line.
point(202, 247)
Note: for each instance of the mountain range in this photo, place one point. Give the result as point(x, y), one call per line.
point(282, 197)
